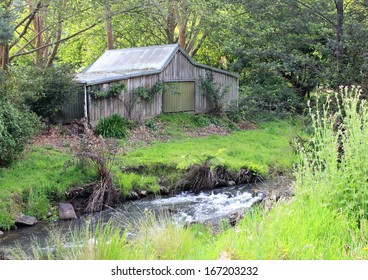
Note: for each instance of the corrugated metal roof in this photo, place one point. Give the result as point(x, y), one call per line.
point(133, 62)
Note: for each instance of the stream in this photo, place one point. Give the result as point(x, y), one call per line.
point(206, 207)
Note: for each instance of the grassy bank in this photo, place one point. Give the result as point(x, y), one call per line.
point(326, 219)
point(39, 179)
point(260, 149)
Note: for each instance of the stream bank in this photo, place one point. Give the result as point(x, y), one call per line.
point(209, 208)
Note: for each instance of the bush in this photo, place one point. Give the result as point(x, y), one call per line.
point(46, 90)
point(17, 127)
point(114, 126)
point(267, 97)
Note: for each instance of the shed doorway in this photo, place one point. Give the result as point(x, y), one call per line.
point(180, 101)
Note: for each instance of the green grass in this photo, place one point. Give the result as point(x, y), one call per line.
point(34, 183)
point(129, 181)
point(259, 149)
point(175, 124)
point(326, 219)
point(39, 179)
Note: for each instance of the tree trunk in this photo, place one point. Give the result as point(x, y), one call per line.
point(59, 30)
point(109, 28)
point(181, 19)
point(170, 23)
point(339, 40)
point(1, 55)
point(4, 56)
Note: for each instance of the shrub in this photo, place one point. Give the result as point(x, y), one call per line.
point(267, 97)
point(46, 90)
point(114, 126)
point(17, 127)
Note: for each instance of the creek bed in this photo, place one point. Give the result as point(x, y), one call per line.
point(206, 207)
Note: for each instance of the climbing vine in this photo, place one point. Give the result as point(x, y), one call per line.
point(213, 92)
point(114, 90)
point(143, 93)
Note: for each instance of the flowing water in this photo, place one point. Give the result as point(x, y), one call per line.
point(205, 207)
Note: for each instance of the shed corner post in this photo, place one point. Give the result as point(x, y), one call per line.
point(237, 93)
point(86, 103)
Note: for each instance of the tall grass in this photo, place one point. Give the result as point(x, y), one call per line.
point(326, 219)
point(334, 167)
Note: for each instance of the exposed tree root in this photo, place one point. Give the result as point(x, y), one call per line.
point(104, 193)
point(200, 177)
point(222, 176)
point(246, 176)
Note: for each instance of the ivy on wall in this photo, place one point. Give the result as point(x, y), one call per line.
point(114, 90)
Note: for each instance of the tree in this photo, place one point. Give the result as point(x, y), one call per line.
point(5, 32)
point(186, 22)
point(303, 41)
point(39, 28)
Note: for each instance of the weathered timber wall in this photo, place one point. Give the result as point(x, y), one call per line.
point(179, 69)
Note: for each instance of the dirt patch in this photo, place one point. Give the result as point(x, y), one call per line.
point(71, 136)
point(146, 135)
point(246, 126)
point(207, 131)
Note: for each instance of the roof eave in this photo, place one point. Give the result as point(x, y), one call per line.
point(90, 82)
point(206, 66)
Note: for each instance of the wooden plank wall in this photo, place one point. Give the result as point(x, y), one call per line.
point(179, 69)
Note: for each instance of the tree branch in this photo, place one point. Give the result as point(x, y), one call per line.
point(30, 17)
point(56, 42)
point(316, 12)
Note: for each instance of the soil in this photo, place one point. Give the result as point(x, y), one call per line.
point(65, 137)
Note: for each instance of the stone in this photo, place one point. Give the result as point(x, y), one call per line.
point(143, 193)
point(231, 183)
point(49, 214)
point(66, 212)
point(134, 195)
point(164, 190)
point(235, 218)
point(1, 233)
point(228, 194)
point(26, 221)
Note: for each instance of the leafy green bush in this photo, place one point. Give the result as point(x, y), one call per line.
point(17, 127)
point(46, 90)
point(114, 126)
point(268, 97)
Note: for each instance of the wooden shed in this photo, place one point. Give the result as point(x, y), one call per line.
point(117, 74)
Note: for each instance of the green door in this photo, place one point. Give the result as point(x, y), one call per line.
point(180, 98)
